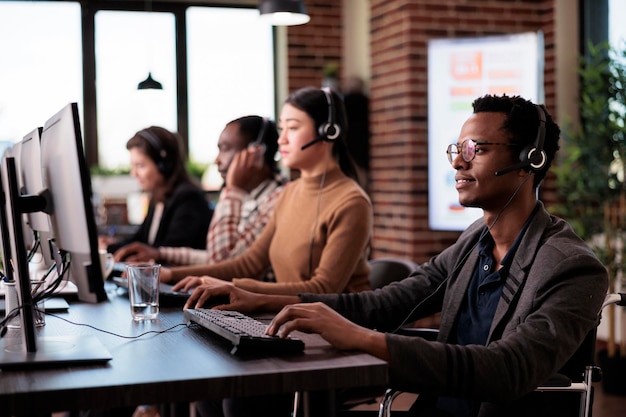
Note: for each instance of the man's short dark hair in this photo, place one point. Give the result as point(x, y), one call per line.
point(521, 124)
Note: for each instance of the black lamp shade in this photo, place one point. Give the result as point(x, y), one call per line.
point(283, 12)
point(149, 84)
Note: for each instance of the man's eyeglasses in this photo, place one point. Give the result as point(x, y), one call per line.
point(468, 149)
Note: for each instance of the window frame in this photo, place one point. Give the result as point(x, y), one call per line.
point(178, 9)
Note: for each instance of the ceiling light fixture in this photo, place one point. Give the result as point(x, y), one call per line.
point(283, 12)
point(149, 84)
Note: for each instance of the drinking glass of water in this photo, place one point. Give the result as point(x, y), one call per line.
point(143, 289)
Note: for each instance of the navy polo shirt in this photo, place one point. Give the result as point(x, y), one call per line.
point(484, 290)
point(482, 297)
point(479, 305)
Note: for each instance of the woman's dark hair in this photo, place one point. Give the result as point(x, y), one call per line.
point(522, 124)
point(313, 101)
point(253, 128)
point(167, 151)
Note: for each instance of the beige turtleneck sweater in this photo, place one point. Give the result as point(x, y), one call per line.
point(316, 242)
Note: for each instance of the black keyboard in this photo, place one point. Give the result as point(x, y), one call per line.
point(246, 334)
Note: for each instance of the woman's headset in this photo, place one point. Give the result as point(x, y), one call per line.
point(162, 162)
point(329, 130)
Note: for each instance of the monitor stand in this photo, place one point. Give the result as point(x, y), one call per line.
point(53, 352)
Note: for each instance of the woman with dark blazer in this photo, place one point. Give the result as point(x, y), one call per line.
point(178, 213)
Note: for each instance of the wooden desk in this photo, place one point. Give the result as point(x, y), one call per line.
point(183, 364)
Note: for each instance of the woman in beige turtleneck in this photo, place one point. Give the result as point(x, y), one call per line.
point(318, 238)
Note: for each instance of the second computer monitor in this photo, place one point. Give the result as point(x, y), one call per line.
point(31, 183)
point(68, 189)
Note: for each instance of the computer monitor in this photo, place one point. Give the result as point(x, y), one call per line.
point(35, 226)
point(18, 259)
point(31, 183)
point(5, 219)
point(67, 188)
point(6, 215)
point(66, 198)
point(31, 350)
point(16, 153)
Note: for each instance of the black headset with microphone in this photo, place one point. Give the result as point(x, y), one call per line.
point(259, 138)
point(329, 130)
point(260, 142)
point(155, 142)
point(532, 157)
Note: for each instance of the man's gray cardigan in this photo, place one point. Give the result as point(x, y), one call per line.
point(550, 302)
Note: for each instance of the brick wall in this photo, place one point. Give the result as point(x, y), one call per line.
point(314, 45)
point(400, 30)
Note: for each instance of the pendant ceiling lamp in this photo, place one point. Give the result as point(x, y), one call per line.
point(283, 12)
point(149, 83)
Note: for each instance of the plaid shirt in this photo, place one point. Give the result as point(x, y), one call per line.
point(238, 220)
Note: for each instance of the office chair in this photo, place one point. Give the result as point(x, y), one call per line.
point(558, 383)
point(384, 271)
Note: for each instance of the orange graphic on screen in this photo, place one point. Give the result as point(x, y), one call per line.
point(504, 89)
point(463, 91)
point(467, 65)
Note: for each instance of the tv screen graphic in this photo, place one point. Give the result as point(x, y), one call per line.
point(459, 71)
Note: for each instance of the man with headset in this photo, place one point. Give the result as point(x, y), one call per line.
point(518, 292)
point(247, 147)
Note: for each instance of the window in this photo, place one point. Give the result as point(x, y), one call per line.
point(40, 64)
point(230, 61)
point(129, 45)
point(617, 30)
point(230, 70)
